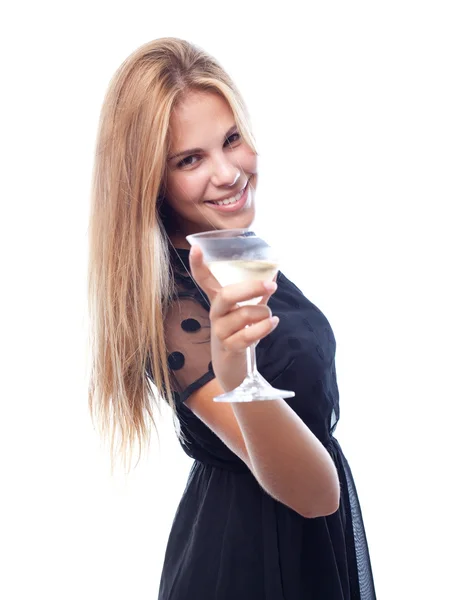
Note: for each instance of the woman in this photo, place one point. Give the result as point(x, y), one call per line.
point(270, 509)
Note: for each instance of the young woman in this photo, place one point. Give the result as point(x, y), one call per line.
point(270, 509)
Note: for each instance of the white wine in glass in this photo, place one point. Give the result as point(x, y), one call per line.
point(227, 272)
point(234, 256)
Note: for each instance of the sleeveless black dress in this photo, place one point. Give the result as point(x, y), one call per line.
point(230, 540)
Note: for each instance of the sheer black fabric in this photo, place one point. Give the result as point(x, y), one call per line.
point(230, 540)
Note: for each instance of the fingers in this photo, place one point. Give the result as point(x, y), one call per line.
point(228, 297)
point(238, 319)
point(202, 274)
point(250, 335)
point(266, 297)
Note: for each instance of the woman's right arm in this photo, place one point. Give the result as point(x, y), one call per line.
point(286, 458)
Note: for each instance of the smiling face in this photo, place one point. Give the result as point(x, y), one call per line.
point(208, 163)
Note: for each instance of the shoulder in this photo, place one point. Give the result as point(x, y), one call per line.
point(186, 288)
point(186, 316)
point(285, 283)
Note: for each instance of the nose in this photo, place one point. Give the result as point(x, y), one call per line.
point(224, 173)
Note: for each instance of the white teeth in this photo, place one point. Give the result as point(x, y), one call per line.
point(231, 200)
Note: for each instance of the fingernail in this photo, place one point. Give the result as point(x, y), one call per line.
point(274, 321)
point(270, 286)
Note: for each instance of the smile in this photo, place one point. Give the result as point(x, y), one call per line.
point(232, 204)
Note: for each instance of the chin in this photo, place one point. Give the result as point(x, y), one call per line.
point(239, 222)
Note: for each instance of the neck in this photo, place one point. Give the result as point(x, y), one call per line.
point(179, 241)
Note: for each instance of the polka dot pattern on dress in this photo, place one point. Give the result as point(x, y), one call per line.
point(190, 325)
point(176, 361)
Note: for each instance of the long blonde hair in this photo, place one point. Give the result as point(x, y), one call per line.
point(130, 284)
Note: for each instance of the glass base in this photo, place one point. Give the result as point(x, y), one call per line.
point(254, 389)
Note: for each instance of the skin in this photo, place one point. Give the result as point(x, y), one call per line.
point(229, 335)
point(219, 170)
point(286, 458)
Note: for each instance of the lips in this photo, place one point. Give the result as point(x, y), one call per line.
point(232, 195)
point(235, 206)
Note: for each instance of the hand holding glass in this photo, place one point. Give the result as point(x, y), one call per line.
point(234, 256)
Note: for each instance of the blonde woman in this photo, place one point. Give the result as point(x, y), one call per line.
point(270, 509)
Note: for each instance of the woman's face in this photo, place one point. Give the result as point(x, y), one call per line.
point(208, 163)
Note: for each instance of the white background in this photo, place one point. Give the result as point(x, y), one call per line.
point(359, 111)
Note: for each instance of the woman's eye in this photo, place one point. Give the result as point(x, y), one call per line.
point(233, 138)
point(190, 161)
point(186, 162)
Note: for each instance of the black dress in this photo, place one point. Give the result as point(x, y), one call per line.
point(230, 540)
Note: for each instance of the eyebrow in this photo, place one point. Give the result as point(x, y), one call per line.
point(197, 150)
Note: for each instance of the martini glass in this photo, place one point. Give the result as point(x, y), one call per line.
point(233, 256)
